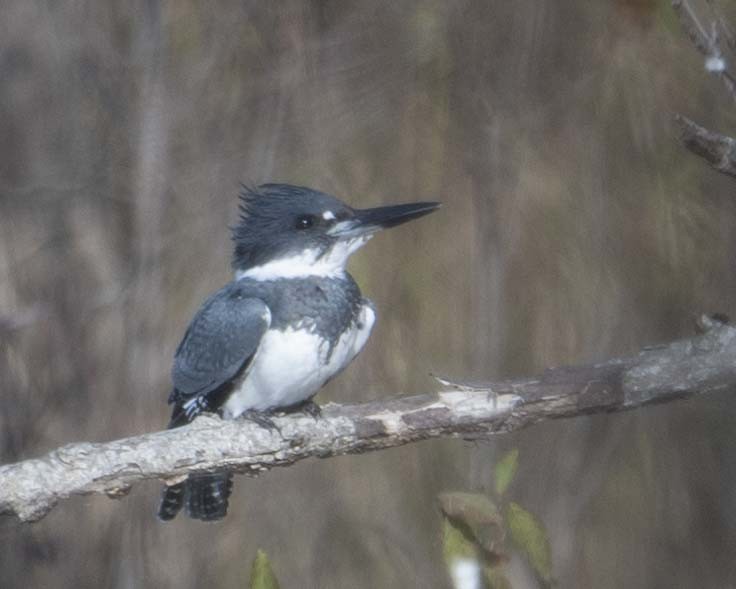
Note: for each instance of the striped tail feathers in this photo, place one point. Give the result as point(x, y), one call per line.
point(208, 496)
point(204, 496)
point(172, 500)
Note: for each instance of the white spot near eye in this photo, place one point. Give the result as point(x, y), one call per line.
point(328, 216)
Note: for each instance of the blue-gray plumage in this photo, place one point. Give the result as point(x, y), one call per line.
point(220, 341)
point(292, 319)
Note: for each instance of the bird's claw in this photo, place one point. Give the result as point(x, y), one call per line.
point(312, 409)
point(261, 418)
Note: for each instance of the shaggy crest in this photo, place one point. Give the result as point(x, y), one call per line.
point(267, 216)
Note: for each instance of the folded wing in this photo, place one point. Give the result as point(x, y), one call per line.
point(220, 342)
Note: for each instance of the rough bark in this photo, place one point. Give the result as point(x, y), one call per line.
point(718, 150)
point(704, 363)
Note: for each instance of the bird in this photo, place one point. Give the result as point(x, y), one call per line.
point(291, 319)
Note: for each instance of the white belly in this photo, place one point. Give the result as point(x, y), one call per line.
point(291, 366)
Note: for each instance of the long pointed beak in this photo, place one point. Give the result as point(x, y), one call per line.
point(367, 221)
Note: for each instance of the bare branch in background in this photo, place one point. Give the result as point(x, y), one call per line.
point(705, 363)
point(708, 41)
point(718, 150)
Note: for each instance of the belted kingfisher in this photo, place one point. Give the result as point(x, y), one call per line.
point(291, 320)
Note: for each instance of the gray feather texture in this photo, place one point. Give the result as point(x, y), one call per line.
point(219, 342)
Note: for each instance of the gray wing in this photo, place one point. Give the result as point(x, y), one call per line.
point(221, 339)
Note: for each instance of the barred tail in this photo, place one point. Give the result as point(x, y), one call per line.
point(205, 496)
point(172, 500)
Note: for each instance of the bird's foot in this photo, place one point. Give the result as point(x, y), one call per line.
point(311, 408)
point(262, 418)
point(307, 407)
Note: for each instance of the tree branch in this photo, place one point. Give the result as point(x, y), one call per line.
point(707, 362)
point(718, 150)
point(707, 41)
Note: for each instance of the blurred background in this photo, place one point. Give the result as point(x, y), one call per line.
point(574, 228)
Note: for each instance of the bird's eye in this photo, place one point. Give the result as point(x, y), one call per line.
point(305, 221)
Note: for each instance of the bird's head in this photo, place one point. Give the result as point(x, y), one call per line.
point(289, 231)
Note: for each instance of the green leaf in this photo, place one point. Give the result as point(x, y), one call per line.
point(506, 470)
point(530, 537)
point(477, 521)
point(261, 574)
point(495, 578)
point(455, 544)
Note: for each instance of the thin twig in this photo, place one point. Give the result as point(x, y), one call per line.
point(708, 43)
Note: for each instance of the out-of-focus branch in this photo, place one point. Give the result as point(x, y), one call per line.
point(718, 150)
point(707, 362)
point(707, 41)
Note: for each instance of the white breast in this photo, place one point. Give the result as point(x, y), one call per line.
point(290, 366)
